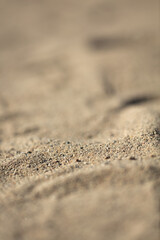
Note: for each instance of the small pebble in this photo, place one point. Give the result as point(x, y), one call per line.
point(78, 160)
point(132, 158)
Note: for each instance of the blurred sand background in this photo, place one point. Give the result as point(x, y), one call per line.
point(79, 119)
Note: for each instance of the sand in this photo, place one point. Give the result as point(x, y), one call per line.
point(79, 120)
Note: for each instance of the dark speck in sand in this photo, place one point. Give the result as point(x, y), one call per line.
point(132, 158)
point(78, 160)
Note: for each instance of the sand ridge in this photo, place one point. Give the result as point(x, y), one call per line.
point(79, 120)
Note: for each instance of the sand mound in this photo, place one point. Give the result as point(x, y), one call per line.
point(79, 120)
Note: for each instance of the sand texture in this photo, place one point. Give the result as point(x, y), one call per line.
point(79, 120)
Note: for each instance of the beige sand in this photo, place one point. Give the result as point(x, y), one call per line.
point(79, 120)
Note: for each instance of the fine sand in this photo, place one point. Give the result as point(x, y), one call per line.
point(79, 120)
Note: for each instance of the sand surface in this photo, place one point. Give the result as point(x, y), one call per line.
point(79, 120)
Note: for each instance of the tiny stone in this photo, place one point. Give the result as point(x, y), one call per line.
point(78, 160)
point(132, 158)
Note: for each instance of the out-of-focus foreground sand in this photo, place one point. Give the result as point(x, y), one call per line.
point(79, 120)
